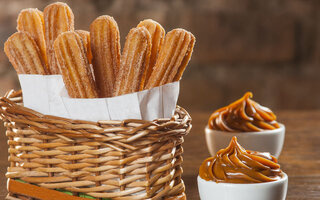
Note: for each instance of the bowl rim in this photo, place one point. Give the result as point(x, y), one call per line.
point(265, 132)
point(283, 179)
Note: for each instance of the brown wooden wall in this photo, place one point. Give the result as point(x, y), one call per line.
point(271, 48)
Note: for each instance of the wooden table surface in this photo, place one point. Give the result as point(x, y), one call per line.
point(300, 157)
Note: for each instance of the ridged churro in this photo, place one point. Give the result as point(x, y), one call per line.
point(157, 37)
point(172, 59)
point(185, 61)
point(73, 63)
point(105, 46)
point(31, 21)
point(85, 36)
point(134, 59)
point(24, 54)
point(58, 18)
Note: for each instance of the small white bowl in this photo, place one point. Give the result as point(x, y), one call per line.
point(276, 190)
point(263, 141)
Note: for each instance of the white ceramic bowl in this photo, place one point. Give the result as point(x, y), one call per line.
point(276, 190)
point(264, 141)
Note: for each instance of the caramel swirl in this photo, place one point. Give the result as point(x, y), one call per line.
point(244, 115)
point(234, 164)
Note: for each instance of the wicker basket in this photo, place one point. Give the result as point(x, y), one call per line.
point(124, 160)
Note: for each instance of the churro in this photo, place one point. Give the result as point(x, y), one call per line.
point(134, 59)
point(24, 54)
point(75, 68)
point(31, 21)
point(105, 45)
point(172, 59)
point(157, 37)
point(85, 36)
point(185, 61)
point(58, 18)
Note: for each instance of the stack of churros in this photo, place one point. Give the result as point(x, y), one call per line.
point(91, 62)
point(30, 50)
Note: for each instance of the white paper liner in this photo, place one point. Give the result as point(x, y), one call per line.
point(158, 102)
point(47, 94)
point(42, 93)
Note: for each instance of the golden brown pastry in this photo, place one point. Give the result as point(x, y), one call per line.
point(244, 115)
point(58, 18)
point(85, 36)
point(24, 54)
point(72, 60)
point(157, 37)
point(31, 21)
point(105, 45)
point(234, 164)
point(134, 59)
point(172, 59)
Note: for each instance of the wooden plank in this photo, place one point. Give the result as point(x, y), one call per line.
point(38, 192)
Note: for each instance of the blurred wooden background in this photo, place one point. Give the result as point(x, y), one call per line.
point(271, 48)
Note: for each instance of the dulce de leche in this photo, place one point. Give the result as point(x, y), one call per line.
point(234, 164)
point(244, 115)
